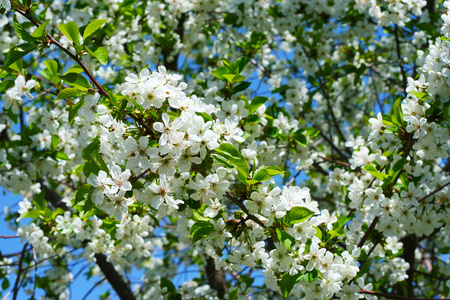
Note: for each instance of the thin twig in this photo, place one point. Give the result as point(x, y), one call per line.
point(35, 273)
point(70, 54)
point(244, 209)
point(93, 287)
point(19, 271)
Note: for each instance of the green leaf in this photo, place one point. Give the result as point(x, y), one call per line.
point(69, 93)
point(21, 32)
point(166, 283)
point(34, 214)
point(55, 141)
point(284, 237)
point(230, 153)
point(298, 214)
point(12, 116)
point(52, 66)
point(404, 179)
point(273, 171)
point(256, 103)
point(87, 207)
point(387, 121)
point(318, 234)
point(428, 28)
point(397, 117)
point(230, 19)
point(17, 53)
point(220, 72)
point(62, 156)
point(201, 230)
point(229, 77)
point(112, 98)
point(398, 166)
point(266, 173)
point(74, 69)
point(232, 295)
point(206, 117)
point(39, 201)
point(93, 27)
point(94, 145)
point(90, 168)
point(311, 275)
point(240, 64)
point(6, 84)
point(5, 284)
point(98, 160)
point(198, 217)
point(241, 87)
point(40, 31)
point(77, 81)
point(335, 233)
point(223, 161)
point(261, 175)
point(102, 55)
point(82, 192)
point(372, 170)
point(300, 138)
point(71, 31)
point(287, 283)
point(312, 132)
point(74, 111)
point(419, 95)
point(227, 64)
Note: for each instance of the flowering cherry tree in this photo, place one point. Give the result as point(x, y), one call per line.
point(286, 149)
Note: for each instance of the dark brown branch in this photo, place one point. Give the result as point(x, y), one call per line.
point(400, 61)
point(334, 161)
point(70, 54)
point(368, 231)
point(244, 209)
point(35, 273)
point(330, 142)
point(93, 288)
point(216, 279)
point(136, 178)
point(119, 285)
point(19, 272)
point(434, 192)
point(114, 278)
point(139, 121)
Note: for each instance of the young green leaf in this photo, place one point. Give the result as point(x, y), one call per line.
point(256, 103)
point(372, 170)
point(17, 53)
point(287, 283)
point(71, 31)
point(40, 31)
point(21, 32)
point(74, 111)
point(69, 93)
point(298, 214)
point(93, 27)
point(76, 80)
point(230, 153)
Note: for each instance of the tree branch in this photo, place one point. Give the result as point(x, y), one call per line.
point(244, 209)
point(118, 284)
